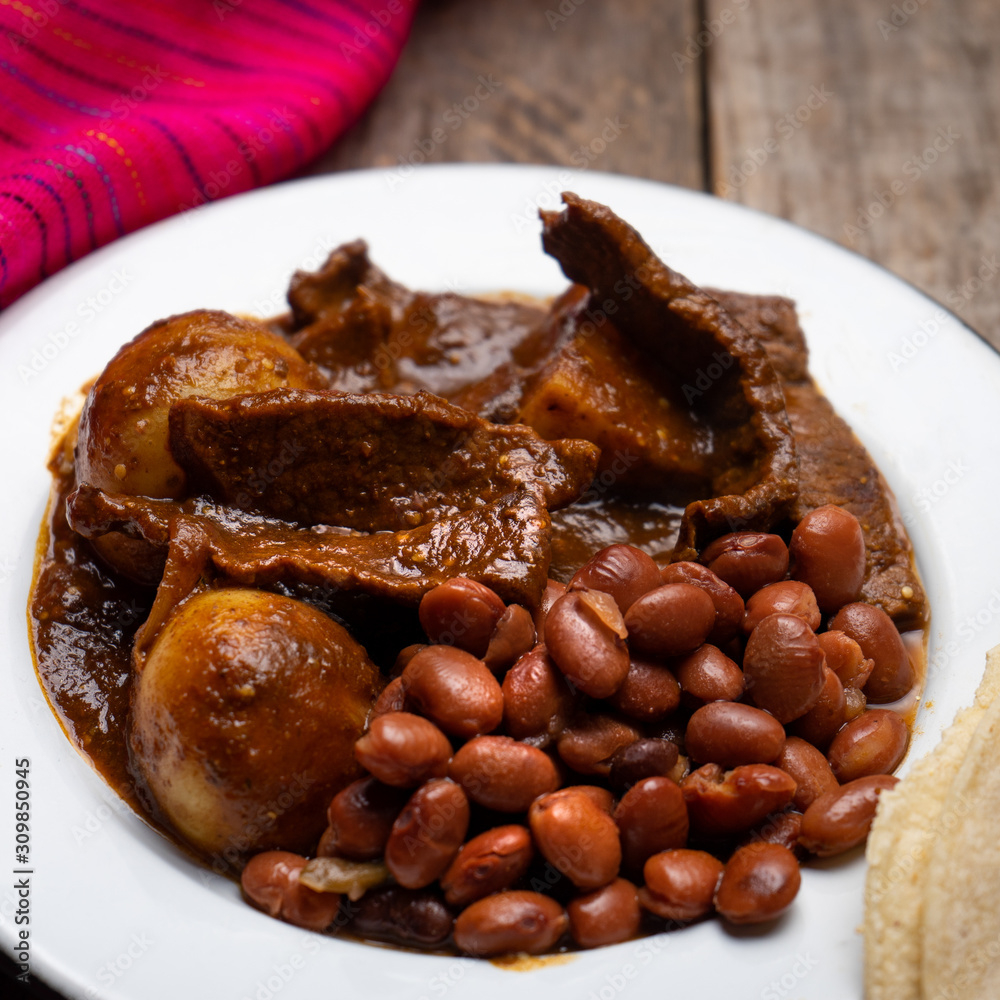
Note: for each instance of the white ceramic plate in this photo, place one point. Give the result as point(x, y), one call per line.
point(116, 911)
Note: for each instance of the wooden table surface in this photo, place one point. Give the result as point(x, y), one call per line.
point(872, 123)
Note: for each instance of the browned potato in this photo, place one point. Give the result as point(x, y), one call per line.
point(244, 720)
point(122, 444)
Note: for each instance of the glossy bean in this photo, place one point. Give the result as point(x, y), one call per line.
point(271, 882)
point(513, 637)
point(672, 620)
point(577, 837)
point(461, 612)
point(392, 699)
point(403, 750)
point(499, 773)
point(646, 758)
point(585, 636)
point(728, 604)
point(783, 666)
point(552, 592)
point(759, 883)
point(810, 770)
point(489, 863)
point(537, 701)
point(747, 560)
point(516, 921)
point(648, 692)
point(841, 819)
point(680, 884)
point(455, 690)
point(623, 571)
point(845, 659)
point(820, 724)
point(411, 918)
point(730, 734)
point(787, 597)
point(361, 817)
point(428, 833)
point(707, 675)
point(403, 657)
point(651, 817)
point(721, 803)
point(873, 630)
point(828, 553)
point(779, 828)
point(590, 740)
point(874, 743)
point(601, 797)
point(605, 916)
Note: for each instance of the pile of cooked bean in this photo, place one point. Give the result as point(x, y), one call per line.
point(653, 744)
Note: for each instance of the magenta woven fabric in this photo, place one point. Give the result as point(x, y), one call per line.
point(116, 113)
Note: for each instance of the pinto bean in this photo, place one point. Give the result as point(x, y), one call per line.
point(828, 553)
point(721, 803)
point(537, 701)
point(361, 817)
point(499, 773)
point(651, 817)
point(512, 638)
point(648, 758)
point(845, 659)
point(461, 612)
point(759, 883)
point(680, 884)
point(873, 630)
point(783, 666)
point(510, 922)
point(585, 636)
point(577, 837)
point(649, 692)
point(787, 597)
point(708, 674)
point(728, 604)
point(820, 724)
point(412, 918)
point(392, 699)
point(489, 863)
point(728, 733)
point(623, 571)
point(840, 820)
point(810, 769)
point(780, 828)
point(403, 750)
point(589, 742)
point(455, 690)
point(874, 743)
point(672, 620)
point(606, 915)
point(271, 882)
point(747, 560)
point(427, 833)
point(552, 592)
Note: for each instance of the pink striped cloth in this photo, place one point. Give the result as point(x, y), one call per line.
point(115, 114)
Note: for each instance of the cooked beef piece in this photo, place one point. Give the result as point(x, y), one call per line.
point(715, 378)
point(834, 466)
point(372, 462)
point(371, 333)
point(503, 544)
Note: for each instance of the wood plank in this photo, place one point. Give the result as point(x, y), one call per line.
point(889, 82)
point(584, 85)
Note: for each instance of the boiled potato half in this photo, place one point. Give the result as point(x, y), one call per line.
point(244, 719)
point(122, 446)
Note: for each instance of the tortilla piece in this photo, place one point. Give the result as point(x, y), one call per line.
point(960, 935)
point(909, 819)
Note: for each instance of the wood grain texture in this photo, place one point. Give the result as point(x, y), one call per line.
point(594, 87)
point(897, 156)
